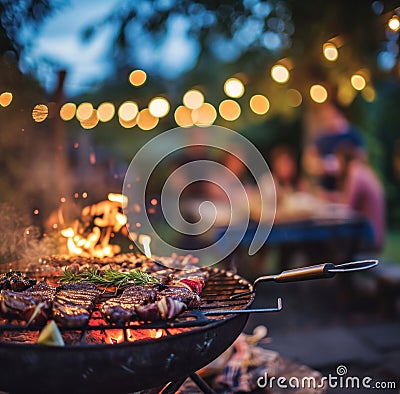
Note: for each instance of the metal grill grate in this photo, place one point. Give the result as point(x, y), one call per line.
point(221, 285)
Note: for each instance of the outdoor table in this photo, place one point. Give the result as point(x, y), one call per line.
point(329, 238)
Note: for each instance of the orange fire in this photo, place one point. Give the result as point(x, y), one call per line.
point(106, 218)
point(117, 336)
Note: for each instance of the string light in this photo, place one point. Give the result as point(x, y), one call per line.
point(159, 107)
point(330, 51)
point(106, 111)
point(40, 112)
point(145, 120)
point(128, 111)
point(183, 116)
point(84, 111)
point(67, 111)
point(5, 99)
point(205, 115)
point(91, 122)
point(259, 104)
point(127, 124)
point(358, 82)
point(318, 93)
point(229, 110)
point(280, 73)
point(234, 88)
point(193, 99)
point(394, 23)
point(137, 77)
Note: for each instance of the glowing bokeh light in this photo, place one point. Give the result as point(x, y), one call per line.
point(40, 112)
point(127, 124)
point(294, 98)
point(159, 107)
point(358, 82)
point(183, 116)
point(90, 122)
point(128, 111)
point(229, 110)
point(205, 115)
point(280, 73)
point(193, 99)
point(84, 111)
point(145, 120)
point(234, 87)
point(318, 93)
point(106, 111)
point(5, 99)
point(259, 104)
point(394, 23)
point(137, 77)
point(67, 111)
point(330, 51)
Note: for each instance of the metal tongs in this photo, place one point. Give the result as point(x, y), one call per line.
point(326, 270)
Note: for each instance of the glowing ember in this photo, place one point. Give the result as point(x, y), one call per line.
point(115, 336)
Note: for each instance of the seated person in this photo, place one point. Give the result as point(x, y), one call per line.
point(293, 198)
point(360, 188)
point(321, 165)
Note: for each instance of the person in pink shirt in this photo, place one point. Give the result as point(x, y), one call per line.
point(361, 189)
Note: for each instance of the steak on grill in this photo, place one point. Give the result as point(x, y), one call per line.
point(22, 305)
point(147, 304)
point(123, 308)
point(73, 304)
point(181, 294)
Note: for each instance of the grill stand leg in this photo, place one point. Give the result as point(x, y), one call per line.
point(201, 384)
point(173, 387)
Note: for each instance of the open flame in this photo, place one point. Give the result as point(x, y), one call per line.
point(90, 235)
point(117, 336)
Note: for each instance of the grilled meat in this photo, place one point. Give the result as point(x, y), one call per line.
point(123, 308)
point(194, 279)
point(182, 294)
point(143, 303)
point(33, 303)
point(73, 304)
point(15, 281)
point(165, 308)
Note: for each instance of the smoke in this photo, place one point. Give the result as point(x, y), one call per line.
point(20, 239)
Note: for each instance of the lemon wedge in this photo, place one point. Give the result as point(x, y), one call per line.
point(50, 335)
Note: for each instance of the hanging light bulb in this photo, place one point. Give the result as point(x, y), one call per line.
point(394, 23)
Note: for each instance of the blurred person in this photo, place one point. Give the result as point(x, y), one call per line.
point(327, 127)
point(285, 171)
point(360, 188)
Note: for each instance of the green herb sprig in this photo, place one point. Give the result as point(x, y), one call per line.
point(109, 278)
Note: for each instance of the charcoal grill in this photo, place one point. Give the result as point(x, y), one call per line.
point(128, 367)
